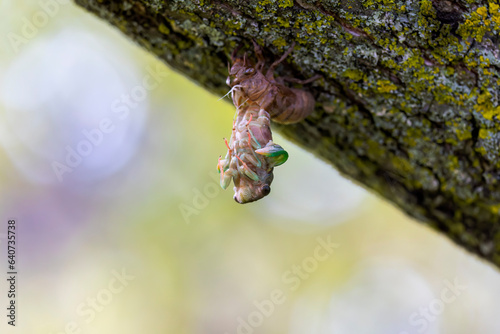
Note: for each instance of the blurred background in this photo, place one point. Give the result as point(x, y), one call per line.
point(108, 164)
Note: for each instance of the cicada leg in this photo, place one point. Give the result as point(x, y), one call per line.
point(224, 167)
point(270, 70)
point(249, 120)
point(251, 158)
point(255, 159)
point(227, 170)
point(302, 82)
point(264, 118)
point(251, 135)
point(227, 145)
point(260, 57)
point(225, 178)
point(244, 169)
point(235, 52)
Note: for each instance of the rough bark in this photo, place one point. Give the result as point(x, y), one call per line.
point(409, 101)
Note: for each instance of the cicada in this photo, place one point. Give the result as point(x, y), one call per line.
point(252, 154)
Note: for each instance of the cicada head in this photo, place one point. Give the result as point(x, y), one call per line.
point(247, 190)
point(241, 70)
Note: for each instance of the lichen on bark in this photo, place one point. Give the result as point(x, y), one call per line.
point(409, 99)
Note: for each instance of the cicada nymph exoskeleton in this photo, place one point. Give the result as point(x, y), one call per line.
point(258, 98)
point(285, 105)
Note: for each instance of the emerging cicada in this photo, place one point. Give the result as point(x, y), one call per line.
point(251, 155)
point(258, 98)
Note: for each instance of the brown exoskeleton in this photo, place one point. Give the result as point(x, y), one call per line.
point(285, 105)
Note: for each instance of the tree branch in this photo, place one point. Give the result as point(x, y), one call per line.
point(407, 106)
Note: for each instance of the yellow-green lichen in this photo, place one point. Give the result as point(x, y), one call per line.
point(284, 23)
point(402, 165)
point(280, 42)
point(285, 3)
point(353, 74)
point(385, 86)
point(163, 29)
point(495, 209)
point(484, 134)
point(463, 134)
point(489, 114)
